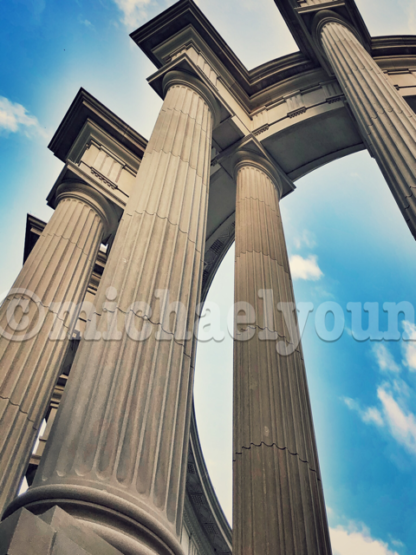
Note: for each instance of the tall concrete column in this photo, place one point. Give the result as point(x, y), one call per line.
point(117, 453)
point(57, 271)
point(278, 500)
point(387, 123)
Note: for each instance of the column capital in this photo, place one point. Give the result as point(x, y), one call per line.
point(183, 78)
point(244, 158)
point(90, 196)
point(322, 18)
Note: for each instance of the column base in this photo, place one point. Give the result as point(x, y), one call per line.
point(127, 527)
point(53, 533)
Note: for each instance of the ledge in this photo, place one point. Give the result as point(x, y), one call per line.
point(85, 106)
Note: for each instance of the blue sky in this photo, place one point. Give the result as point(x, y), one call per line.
point(346, 238)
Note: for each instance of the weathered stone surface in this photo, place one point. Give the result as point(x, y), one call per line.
point(278, 502)
point(80, 535)
point(53, 533)
point(57, 271)
point(25, 534)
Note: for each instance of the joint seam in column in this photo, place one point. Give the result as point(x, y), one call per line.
point(169, 153)
point(171, 223)
point(18, 406)
point(178, 342)
point(280, 449)
point(255, 326)
point(266, 256)
point(242, 199)
point(187, 114)
point(61, 237)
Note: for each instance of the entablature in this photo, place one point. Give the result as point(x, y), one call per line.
point(98, 148)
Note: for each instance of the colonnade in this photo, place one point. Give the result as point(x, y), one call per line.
point(116, 456)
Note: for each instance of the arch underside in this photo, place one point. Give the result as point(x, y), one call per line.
point(313, 136)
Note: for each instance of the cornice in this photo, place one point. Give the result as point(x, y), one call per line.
point(299, 16)
point(174, 20)
point(84, 107)
point(393, 45)
point(250, 87)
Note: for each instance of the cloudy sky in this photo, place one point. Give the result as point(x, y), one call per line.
point(346, 238)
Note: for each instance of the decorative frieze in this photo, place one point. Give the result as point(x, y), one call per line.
point(295, 104)
point(106, 166)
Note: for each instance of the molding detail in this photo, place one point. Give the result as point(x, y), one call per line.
point(175, 77)
point(324, 17)
point(263, 129)
point(88, 195)
point(103, 178)
point(297, 112)
point(244, 158)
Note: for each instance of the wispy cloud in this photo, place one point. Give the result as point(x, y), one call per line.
point(395, 397)
point(305, 239)
point(401, 422)
point(86, 22)
point(305, 268)
point(369, 415)
point(134, 11)
point(356, 539)
point(409, 347)
point(15, 118)
point(384, 358)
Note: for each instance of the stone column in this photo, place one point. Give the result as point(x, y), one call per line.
point(57, 271)
point(387, 123)
point(278, 500)
point(117, 453)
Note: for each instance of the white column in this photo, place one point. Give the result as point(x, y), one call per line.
point(386, 121)
point(57, 271)
point(278, 500)
point(118, 450)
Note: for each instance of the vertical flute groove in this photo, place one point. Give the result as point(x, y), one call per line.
point(387, 123)
point(57, 271)
point(124, 422)
point(276, 474)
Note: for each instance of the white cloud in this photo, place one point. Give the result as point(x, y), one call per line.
point(134, 11)
point(409, 346)
point(401, 422)
point(86, 22)
point(306, 239)
point(370, 415)
point(384, 358)
point(395, 396)
point(305, 268)
point(397, 543)
point(14, 117)
point(356, 540)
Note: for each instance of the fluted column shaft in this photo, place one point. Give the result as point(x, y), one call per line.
point(120, 440)
point(278, 499)
point(57, 271)
point(386, 121)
